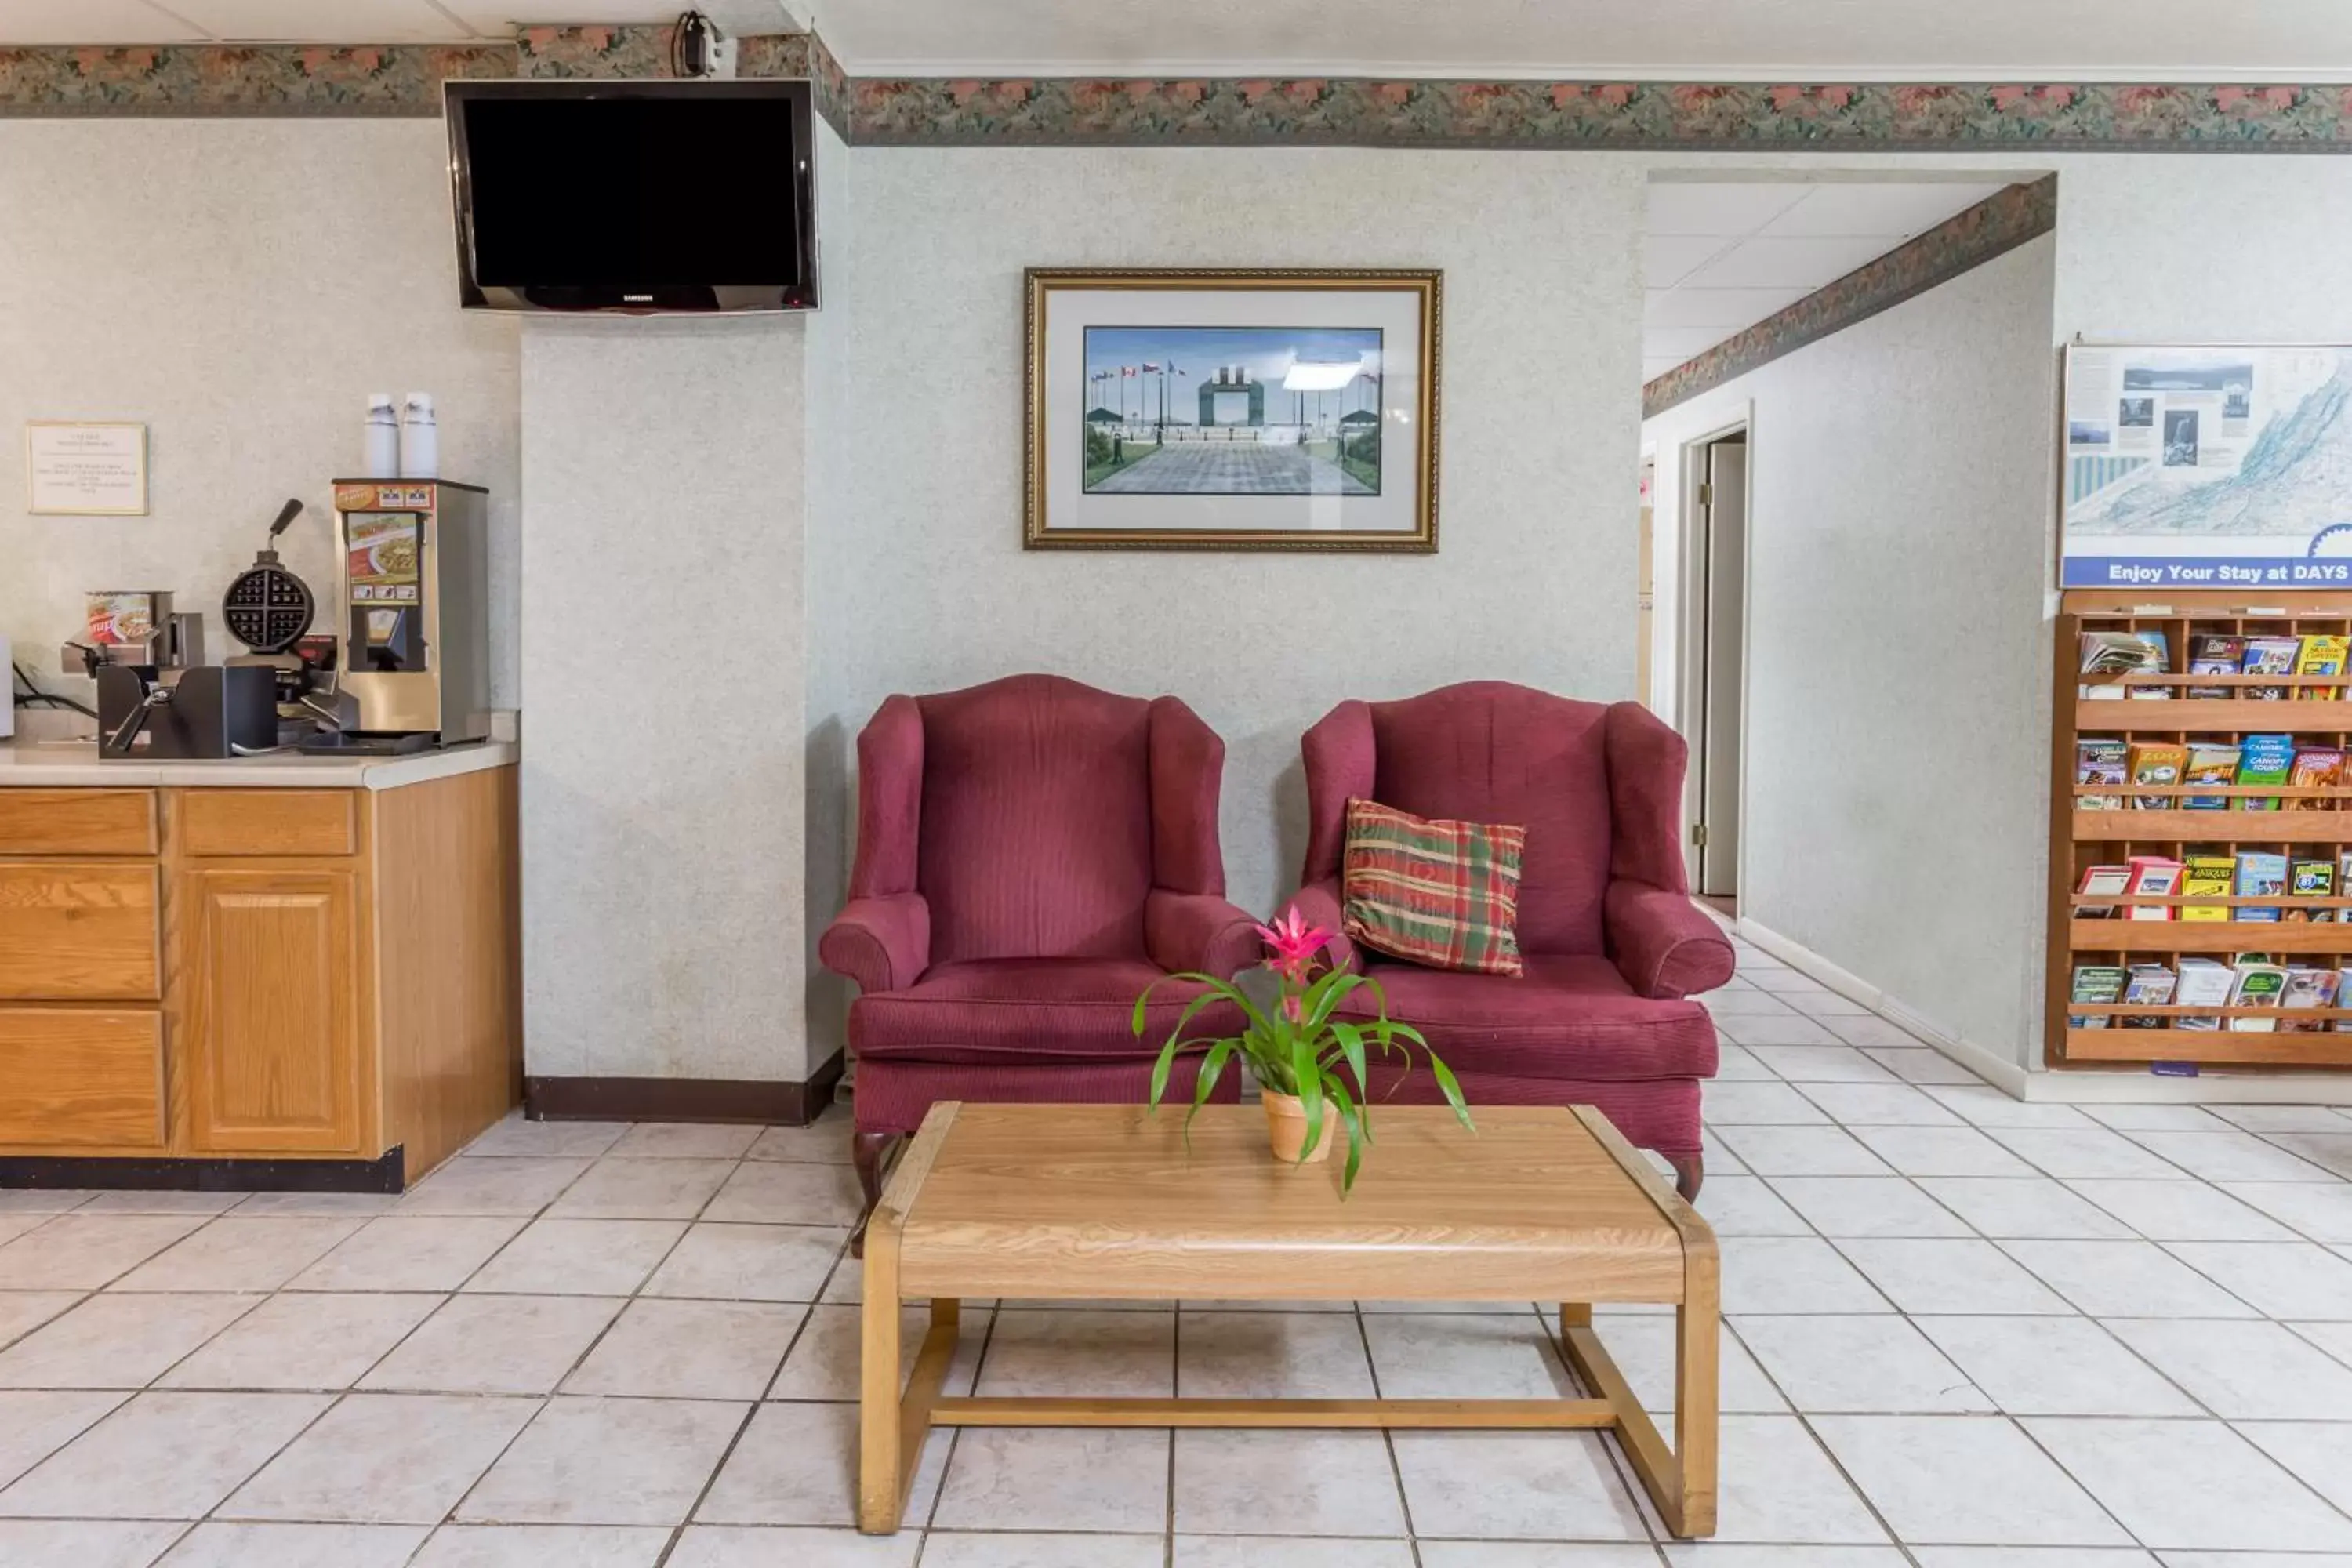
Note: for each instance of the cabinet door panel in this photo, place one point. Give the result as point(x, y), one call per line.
point(78, 931)
point(76, 1078)
point(272, 1027)
point(77, 822)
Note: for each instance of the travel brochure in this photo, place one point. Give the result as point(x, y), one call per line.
point(2250, 980)
point(2106, 762)
point(2122, 653)
point(2216, 874)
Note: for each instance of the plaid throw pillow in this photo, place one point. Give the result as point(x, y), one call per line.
point(1445, 894)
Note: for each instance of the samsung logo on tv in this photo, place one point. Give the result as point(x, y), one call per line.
point(637, 298)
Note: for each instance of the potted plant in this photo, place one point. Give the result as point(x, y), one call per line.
point(1309, 1063)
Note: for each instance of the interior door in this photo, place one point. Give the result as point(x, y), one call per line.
point(1725, 636)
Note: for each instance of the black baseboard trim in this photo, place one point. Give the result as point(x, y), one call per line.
point(137, 1175)
point(767, 1101)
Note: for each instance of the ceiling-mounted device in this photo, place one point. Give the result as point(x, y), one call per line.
point(698, 48)
point(636, 197)
point(268, 608)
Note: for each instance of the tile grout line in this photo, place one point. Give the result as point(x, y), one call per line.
point(547, 1400)
point(2037, 1172)
point(1175, 1391)
point(1823, 1448)
point(448, 1515)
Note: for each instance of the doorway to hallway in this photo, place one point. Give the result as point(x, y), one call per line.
point(1714, 653)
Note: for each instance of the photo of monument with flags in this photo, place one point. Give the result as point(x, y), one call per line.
point(1239, 411)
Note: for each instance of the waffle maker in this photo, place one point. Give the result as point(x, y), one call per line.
point(268, 608)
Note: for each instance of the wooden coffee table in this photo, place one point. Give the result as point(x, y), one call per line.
point(1070, 1200)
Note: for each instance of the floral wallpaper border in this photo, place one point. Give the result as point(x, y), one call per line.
point(1221, 112)
point(2001, 222)
point(1683, 116)
point(220, 79)
point(392, 79)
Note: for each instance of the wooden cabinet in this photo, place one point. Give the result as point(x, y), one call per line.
point(77, 931)
point(71, 1078)
point(268, 975)
point(268, 821)
point(77, 822)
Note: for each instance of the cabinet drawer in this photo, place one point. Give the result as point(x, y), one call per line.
point(77, 822)
point(71, 1078)
point(79, 930)
point(267, 821)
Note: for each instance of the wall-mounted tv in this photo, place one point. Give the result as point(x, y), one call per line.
point(634, 197)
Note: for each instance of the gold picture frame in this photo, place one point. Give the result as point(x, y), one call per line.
point(1241, 462)
point(58, 483)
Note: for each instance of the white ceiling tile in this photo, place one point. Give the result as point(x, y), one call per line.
point(1787, 263)
point(1679, 343)
point(1667, 261)
point(1891, 211)
point(1652, 368)
point(1718, 209)
point(324, 21)
point(28, 22)
point(1727, 308)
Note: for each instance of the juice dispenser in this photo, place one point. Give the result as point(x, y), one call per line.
point(413, 608)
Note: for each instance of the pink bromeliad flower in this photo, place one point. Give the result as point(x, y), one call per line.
point(1294, 944)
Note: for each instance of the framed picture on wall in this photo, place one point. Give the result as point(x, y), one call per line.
point(1212, 409)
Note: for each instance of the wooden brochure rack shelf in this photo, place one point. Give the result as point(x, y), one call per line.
point(2313, 821)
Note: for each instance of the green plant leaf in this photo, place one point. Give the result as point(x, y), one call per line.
point(1176, 1041)
point(1450, 1089)
point(1160, 1069)
point(1213, 1065)
point(1309, 1080)
point(1351, 1049)
point(1407, 1032)
point(1356, 1138)
point(1316, 1005)
point(1250, 1010)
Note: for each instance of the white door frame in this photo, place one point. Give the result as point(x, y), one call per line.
point(1690, 626)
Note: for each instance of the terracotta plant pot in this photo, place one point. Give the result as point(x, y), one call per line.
point(1286, 1128)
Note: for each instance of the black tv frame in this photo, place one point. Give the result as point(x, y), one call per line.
point(627, 301)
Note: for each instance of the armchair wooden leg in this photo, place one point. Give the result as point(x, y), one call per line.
point(1690, 1171)
point(870, 1153)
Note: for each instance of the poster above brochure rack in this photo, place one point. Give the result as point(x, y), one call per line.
point(2207, 466)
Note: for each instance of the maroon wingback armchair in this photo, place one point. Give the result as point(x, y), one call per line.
point(1612, 946)
point(1031, 854)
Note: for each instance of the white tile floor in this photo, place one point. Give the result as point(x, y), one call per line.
point(1963, 1333)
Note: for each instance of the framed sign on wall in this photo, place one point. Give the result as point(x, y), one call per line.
point(1212, 409)
point(2205, 466)
point(85, 470)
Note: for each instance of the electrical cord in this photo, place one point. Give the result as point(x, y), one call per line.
point(33, 695)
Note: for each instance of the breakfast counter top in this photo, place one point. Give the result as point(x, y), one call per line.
point(75, 764)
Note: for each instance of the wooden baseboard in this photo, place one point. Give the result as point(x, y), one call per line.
point(764, 1100)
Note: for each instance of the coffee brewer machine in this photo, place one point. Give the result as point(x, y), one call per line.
point(412, 614)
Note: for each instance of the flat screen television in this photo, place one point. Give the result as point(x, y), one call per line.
point(634, 197)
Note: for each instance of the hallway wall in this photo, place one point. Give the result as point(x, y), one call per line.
point(1896, 739)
